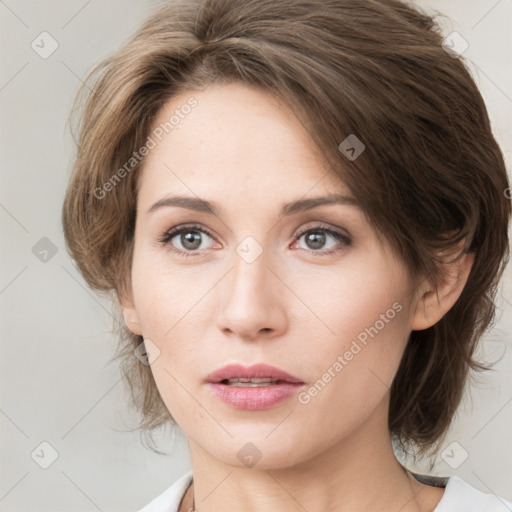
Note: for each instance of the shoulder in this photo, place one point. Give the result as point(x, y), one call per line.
point(169, 500)
point(459, 495)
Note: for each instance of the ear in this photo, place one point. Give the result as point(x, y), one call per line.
point(131, 319)
point(434, 301)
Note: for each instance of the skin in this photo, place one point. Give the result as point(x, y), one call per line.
point(294, 307)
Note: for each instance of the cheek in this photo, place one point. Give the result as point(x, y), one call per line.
point(367, 345)
point(164, 293)
point(172, 304)
point(352, 376)
point(363, 299)
point(365, 319)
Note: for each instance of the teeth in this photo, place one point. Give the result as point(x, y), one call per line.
point(245, 379)
point(251, 383)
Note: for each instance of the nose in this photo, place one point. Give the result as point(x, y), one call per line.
point(252, 301)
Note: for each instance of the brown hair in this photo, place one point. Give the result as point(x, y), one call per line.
point(431, 174)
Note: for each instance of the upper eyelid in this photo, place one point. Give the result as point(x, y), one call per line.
point(324, 226)
point(316, 224)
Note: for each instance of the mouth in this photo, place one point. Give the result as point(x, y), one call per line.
point(251, 383)
point(253, 388)
point(251, 376)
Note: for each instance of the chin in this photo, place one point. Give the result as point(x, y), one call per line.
point(256, 449)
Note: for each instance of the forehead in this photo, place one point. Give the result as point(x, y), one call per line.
point(237, 140)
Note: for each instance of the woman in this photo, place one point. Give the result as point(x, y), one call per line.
point(302, 212)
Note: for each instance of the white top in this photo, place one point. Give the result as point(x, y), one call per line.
point(458, 496)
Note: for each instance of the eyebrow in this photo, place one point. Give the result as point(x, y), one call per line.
point(291, 208)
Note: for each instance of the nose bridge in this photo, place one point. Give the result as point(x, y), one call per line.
point(250, 300)
point(249, 277)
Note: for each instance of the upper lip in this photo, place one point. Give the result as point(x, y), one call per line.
point(257, 371)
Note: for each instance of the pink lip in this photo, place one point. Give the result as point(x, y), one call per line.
point(255, 398)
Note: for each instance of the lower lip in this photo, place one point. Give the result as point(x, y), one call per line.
point(254, 398)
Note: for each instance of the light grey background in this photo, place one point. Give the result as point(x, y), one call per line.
point(57, 383)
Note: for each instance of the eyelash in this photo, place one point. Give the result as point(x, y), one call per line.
point(172, 233)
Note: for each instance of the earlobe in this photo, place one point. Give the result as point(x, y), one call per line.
point(131, 319)
point(435, 301)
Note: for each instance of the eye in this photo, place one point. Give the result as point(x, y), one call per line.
point(188, 239)
point(316, 237)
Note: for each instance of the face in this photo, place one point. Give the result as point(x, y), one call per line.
point(311, 291)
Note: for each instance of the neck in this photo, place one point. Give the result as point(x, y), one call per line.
point(360, 472)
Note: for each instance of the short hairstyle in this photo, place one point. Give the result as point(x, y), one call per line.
point(431, 175)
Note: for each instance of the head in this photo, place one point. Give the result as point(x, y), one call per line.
point(259, 108)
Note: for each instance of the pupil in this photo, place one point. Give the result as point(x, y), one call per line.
point(191, 240)
point(317, 239)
